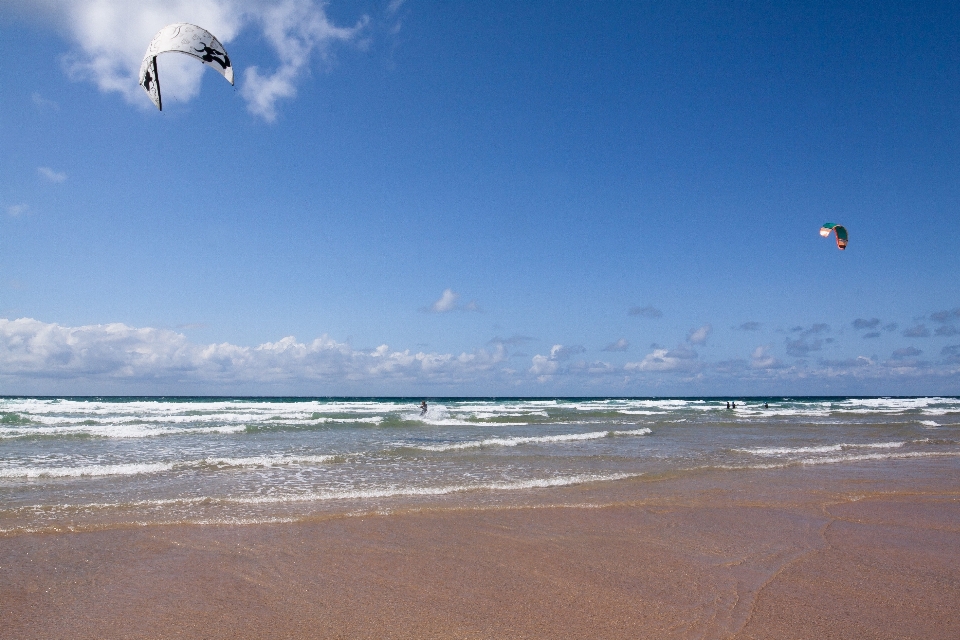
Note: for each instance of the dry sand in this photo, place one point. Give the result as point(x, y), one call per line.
point(760, 554)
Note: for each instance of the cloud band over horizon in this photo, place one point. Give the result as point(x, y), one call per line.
point(36, 357)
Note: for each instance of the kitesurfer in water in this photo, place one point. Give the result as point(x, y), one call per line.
point(423, 408)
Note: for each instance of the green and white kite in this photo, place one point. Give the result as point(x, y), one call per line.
point(839, 230)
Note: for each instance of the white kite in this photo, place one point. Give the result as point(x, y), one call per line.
point(190, 40)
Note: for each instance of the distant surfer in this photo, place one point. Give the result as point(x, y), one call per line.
point(766, 406)
point(728, 404)
point(423, 408)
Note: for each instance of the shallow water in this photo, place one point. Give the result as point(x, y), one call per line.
point(79, 463)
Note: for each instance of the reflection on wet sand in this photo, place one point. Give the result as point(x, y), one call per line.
point(863, 552)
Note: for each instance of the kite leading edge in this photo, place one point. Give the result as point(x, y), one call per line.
point(188, 39)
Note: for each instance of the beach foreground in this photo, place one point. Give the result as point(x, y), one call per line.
point(870, 551)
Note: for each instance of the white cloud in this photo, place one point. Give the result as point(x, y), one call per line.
point(43, 103)
point(448, 302)
point(37, 357)
point(544, 367)
point(560, 352)
point(116, 352)
point(51, 175)
point(111, 37)
point(679, 359)
point(699, 336)
point(295, 28)
point(17, 210)
point(761, 359)
point(620, 345)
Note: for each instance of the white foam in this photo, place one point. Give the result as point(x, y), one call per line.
point(880, 456)
point(130, 469)
point(372, 420)
point(861, 457)
point(519, 440)
point(437, 415)
point(268, 460)
point(643, 431)
point(345, 494)
point(489, 415)
point(87, 470)
point(785, 451)
point(115, 431)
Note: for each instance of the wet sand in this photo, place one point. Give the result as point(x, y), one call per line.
point(866, 552)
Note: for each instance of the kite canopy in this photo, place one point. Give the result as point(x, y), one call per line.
point(839, 230)
point(190, 40)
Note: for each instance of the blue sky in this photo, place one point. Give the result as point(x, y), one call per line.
point(437, 198)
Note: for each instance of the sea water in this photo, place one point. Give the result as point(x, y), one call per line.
point(86, 463)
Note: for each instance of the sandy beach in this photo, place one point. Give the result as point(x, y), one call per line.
point(871, 552)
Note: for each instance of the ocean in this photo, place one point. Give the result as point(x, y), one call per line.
point(74, 464)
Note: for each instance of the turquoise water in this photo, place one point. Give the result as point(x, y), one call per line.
point(92, 462)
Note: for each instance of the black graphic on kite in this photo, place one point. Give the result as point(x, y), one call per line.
point(212, 55)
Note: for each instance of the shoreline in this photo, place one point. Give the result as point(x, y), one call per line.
point(869, 550)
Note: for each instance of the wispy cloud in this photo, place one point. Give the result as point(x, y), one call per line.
point(905, 357)
point(847, 363)
point(917, 331)
point(646, 312)
point(803, 342)
point(43, 103)
point(761, 359)
point(664, 360)
point(561, 352)
point(943, 318)
point(620, 345)
point(511, 341)
point(906, 352)
point(801, 347)
point(296, 29)
point(951, 353)
point(447, 302)
point(51, 175)
point(17, 210)
point(749, 326)
point(699, 336)
point(36, 356)
point(812, 330)
point(861, 323)
point(951, 315)
point(111, 37)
